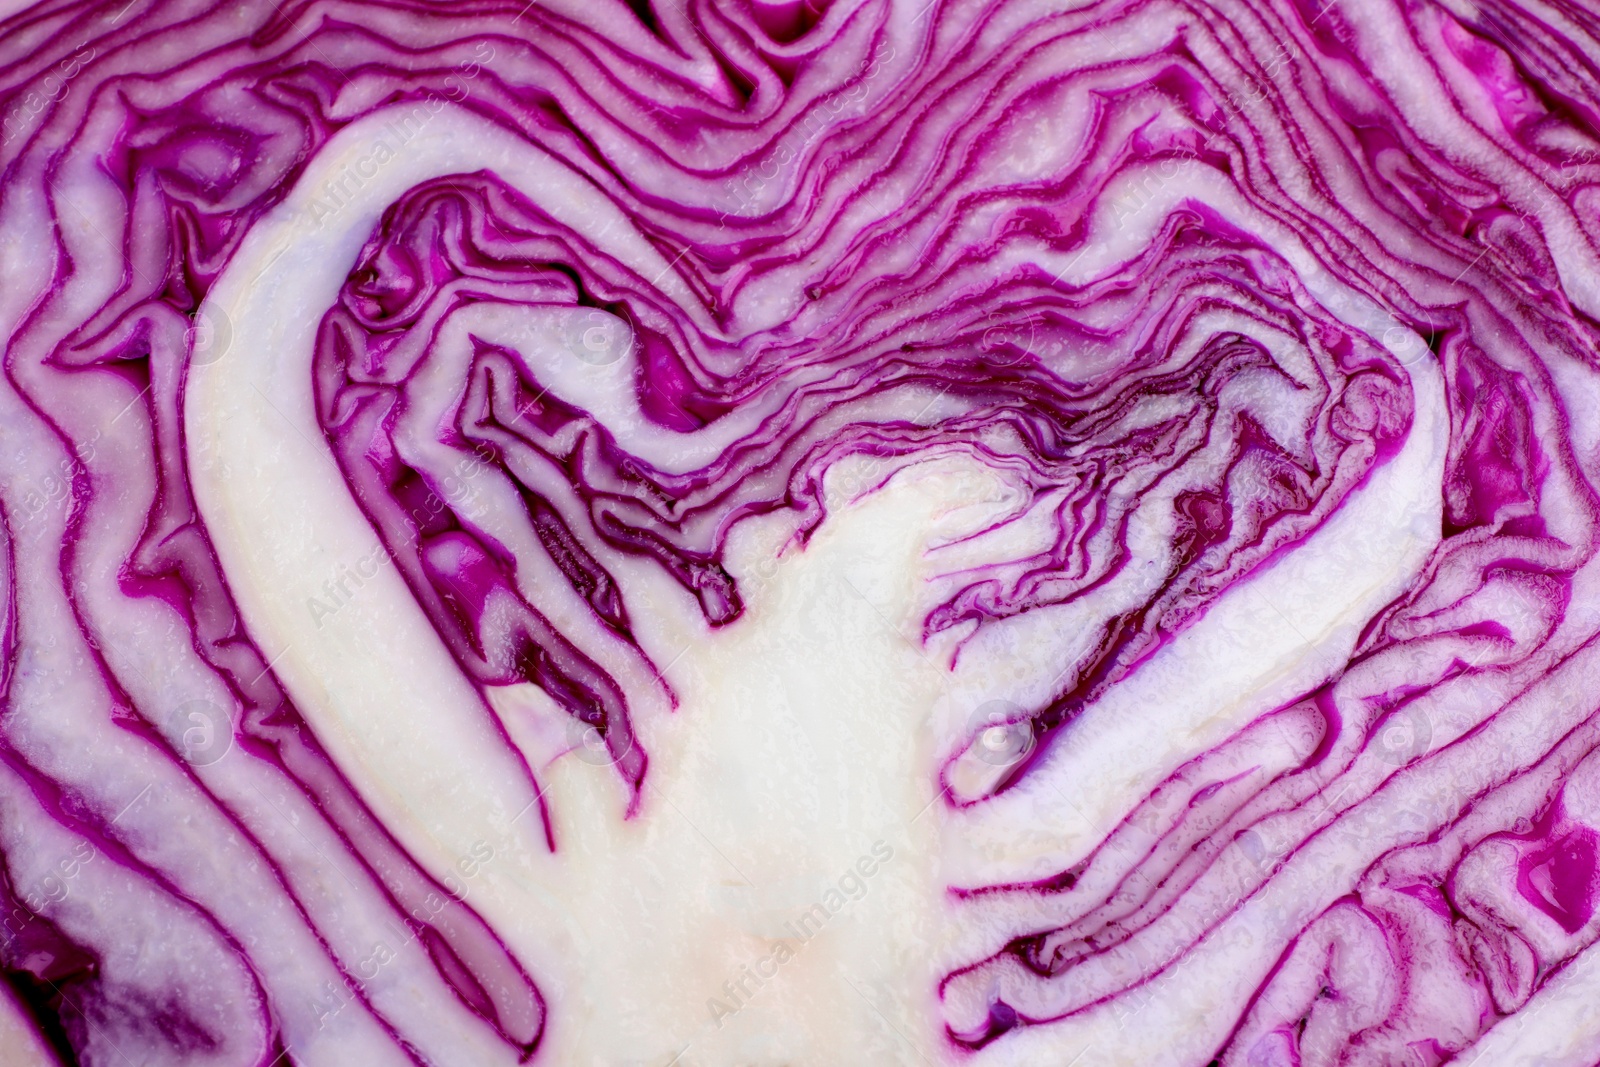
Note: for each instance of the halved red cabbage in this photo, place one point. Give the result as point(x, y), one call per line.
point(799, 533)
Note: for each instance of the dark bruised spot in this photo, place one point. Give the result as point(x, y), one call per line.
point(1002, 1019)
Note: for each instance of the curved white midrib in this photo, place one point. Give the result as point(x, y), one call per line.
point(283, 523)
point(282, 520)
point(410, 732)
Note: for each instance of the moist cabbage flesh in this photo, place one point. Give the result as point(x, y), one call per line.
point(769, 534)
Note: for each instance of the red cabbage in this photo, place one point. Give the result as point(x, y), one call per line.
point(800, 532)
